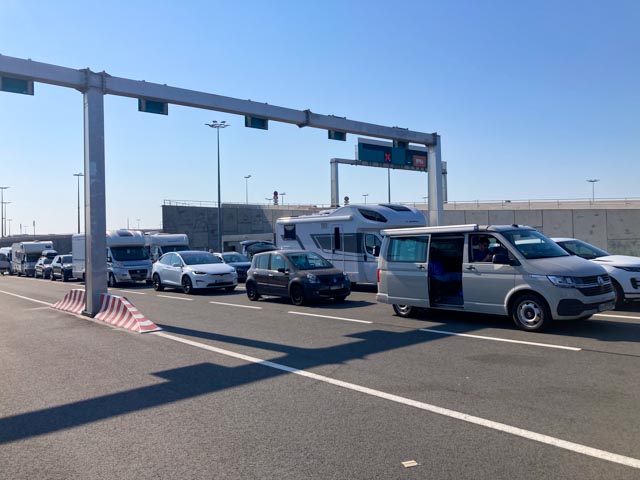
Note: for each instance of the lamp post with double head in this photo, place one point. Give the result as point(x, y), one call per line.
point(593, 182)
point(246, 186)
point(2, 210)
point(80, 174)
point(218, 125)
point(365, 195)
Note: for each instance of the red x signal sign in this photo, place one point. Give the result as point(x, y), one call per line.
point(387, 157)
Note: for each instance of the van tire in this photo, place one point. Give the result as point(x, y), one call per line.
point(404, 310)
point(530, 312)
point(111, 281)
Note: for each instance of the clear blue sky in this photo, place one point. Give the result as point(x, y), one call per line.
point(530, 98)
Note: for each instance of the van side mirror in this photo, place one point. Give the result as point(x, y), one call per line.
point(283, 270)
point(376, 251)
point(501, 259)
point(109, 259)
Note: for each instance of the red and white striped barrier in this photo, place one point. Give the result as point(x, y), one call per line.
point(119, 311)
point(73, 301)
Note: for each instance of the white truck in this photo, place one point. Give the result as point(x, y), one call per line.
point(348, 236)
point(157, 244)
point(127, 259)
point(24, 256)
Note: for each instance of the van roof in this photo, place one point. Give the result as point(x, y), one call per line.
point(472, 227)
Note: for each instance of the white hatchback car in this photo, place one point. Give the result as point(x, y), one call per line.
point(192, 269)
point(623, 270)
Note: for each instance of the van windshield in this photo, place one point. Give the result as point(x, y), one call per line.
point(125, 254)
point(532, 244)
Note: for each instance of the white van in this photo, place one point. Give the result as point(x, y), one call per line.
point(349, 236)
point(157, 244)
point(24, 256)
point(127, 259)
point(519, 273)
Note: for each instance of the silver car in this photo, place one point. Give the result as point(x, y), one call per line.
point(193, 269)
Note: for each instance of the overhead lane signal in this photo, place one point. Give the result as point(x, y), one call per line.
point(337, 135)
point(256, 122)
point(153, 106)
point(16, 85)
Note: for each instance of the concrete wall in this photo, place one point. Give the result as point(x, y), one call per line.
point(615, 230)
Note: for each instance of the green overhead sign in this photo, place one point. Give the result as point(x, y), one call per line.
point(387, 154)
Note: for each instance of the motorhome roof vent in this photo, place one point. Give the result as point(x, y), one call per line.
point(124, 233)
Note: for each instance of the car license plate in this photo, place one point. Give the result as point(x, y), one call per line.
point(606, 306)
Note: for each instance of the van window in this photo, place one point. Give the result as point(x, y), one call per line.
point(290, 232)
point(532, 244)
point(277, 262)
point(408, 249)
point(372, 215)
point(370, 242)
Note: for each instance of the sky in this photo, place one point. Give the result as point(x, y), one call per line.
point(531, 99)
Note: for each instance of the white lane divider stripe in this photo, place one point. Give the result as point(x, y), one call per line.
point(236, 305)
point(616, 316)
point(327, 316)
point(132, 291)
point(176, 298)
point(26, 298)
point(498, 339)
point(501, 427)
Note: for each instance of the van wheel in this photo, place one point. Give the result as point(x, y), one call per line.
point(252, 291)
point(157, 283)
point(297, 295)
point(404, 310)
point(619, 294)
point(52, 277)
point(112, 281)
point(530, 312)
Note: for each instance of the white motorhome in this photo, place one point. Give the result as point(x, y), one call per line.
point(157, 244)
point(24, 256)
point(349, 236)
point(127, 259)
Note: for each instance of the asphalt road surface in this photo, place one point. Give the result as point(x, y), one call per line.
point(233, 389)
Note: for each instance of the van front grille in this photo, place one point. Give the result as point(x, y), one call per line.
point(594, 285)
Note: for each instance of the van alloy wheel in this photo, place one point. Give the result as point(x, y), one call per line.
point(112, 281)
point(403, 310)
point(530, 312)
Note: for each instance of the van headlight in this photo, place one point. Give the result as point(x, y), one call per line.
point(560, 281)
point(312, 278)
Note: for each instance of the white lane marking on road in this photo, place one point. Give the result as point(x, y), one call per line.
point(131, 291)
point(498, 339)
point(176, 298)
point(236, 305)
point(26, 298)
point(616, 316)
point(501, 427)
point(327, 316)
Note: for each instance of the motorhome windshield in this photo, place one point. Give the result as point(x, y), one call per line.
point(125, 254)
point(175, 248)
point(33, 257)
point(532, 244)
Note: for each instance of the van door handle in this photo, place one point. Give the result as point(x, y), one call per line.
point(420, 267)
point(471, 267)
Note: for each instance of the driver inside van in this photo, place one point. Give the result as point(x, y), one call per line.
point(482, 254)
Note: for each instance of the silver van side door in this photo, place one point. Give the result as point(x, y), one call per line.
point(406, 273)
point(486, 284)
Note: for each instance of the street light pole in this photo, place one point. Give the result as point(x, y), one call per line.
point(246, 181)
point(593, 181)
point(78, 175)
point(365, 195)
point(218, 125)
point(282, 194)
point(2, 229)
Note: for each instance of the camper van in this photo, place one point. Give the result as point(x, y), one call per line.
point(5, 260)
point(158, 244)
point(349, 236)
point(502, 270)
point(24, 256)
point(127, 259)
